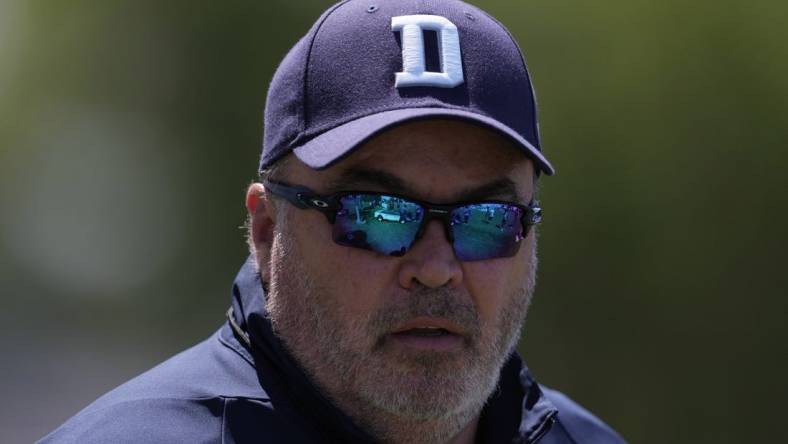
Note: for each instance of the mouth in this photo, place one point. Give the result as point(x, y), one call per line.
point(428, 334)
point(425, 332)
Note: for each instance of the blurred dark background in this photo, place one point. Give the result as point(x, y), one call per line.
point(129, 130)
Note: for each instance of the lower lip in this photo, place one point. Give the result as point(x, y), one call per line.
point(443, 343)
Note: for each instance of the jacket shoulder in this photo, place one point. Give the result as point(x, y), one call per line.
point(153, 420)
point(212, 368)
point(187, 398)
point(580, 425)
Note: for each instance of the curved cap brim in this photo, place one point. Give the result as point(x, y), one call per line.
point(332, 146)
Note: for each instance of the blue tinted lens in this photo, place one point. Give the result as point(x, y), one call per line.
point(485, 231)
point(380, 223)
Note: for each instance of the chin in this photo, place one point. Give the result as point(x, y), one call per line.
point(427, 386)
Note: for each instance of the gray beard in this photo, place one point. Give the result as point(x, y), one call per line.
point(413, 397)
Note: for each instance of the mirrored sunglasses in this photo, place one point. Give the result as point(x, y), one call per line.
point(390, 224)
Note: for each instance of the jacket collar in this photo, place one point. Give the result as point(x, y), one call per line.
point(517, 408)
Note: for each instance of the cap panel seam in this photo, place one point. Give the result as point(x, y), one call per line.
point(530, 82)
point(308, 57)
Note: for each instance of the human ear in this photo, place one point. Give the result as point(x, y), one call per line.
point(262, 218)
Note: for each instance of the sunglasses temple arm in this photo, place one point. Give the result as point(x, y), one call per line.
point(531, 217)
point(535, 216)
point(295, 195)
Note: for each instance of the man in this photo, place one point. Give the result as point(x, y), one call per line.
point(393, 254)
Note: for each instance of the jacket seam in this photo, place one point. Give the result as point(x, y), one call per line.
point(224, 417)
point(104, 408)
point(566, 431)
point(236, 348)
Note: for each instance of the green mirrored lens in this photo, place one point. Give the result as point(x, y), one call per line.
point(381, 223)
point(485, 231)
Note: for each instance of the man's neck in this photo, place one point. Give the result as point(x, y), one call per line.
point(468, 434)
point(459, 428)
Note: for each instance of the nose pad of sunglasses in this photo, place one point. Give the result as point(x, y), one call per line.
point(440, 216)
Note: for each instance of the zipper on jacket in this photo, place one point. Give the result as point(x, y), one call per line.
point(546, 426)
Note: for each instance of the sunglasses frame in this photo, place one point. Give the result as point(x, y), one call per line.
point(304, 198)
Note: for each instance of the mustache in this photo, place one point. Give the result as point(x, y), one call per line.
point(441, 302)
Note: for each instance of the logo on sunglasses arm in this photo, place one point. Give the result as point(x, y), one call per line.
point(414, 70)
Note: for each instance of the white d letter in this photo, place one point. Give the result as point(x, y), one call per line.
point(413, 62)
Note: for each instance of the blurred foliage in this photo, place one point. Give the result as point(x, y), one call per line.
point(129, 130)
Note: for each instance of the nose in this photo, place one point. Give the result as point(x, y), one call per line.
point(431, 261)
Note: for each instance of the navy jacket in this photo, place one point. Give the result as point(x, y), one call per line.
point(240, 386)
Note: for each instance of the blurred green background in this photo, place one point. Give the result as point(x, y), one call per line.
point(129, 130)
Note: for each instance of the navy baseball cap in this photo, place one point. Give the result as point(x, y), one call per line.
point(366, 66)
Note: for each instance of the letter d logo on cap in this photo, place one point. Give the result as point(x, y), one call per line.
point(413, 60)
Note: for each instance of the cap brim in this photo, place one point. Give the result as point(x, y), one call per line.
point(332, 146)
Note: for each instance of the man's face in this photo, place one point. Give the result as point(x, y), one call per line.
point(423, 335)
